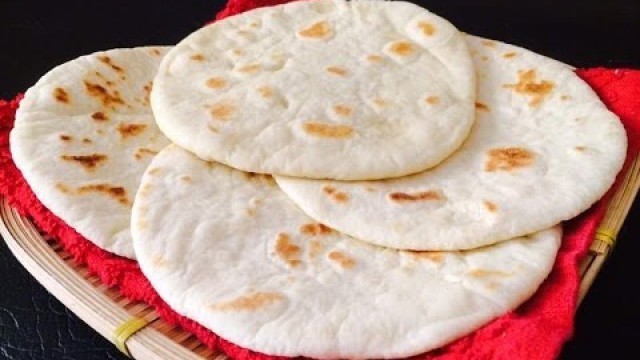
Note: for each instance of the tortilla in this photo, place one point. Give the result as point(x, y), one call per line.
point(542, 150)
point(320, 89)
point(229, 250)
point(83, 135)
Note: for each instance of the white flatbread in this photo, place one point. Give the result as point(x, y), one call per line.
point(542, 150)
point(322, 89)
point(84, 134)
point(229, 250)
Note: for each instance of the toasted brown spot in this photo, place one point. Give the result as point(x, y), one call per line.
point(286, 250)
point(336, 70)
point(142, 152)
point(328, 130)
point(435, 256)
point(185, 178)
point(250, 69)
point(61, 95)
point(99, 116)
point(333, 193)
point(254, 24)
point(427, 28)
point(343, 110)
point(86, 141)
point(482, 273)
point(103, 95)
point(319, 30)
point(374, 58)
point(156, 52)
point(216, 83)
point(428, 195)
point(222, 111)
point(197, 57)
point(489, 43)
point(118, 193)
point(528, 86)
point(127, 130)
point(154, 171)
point(402, 48)
point(315, 229)
point(509, 55)
point(491, 206)
point(212, 128)
point(107, 60)
point(89, 162)
point(146, 89)
point(580, 148)
point(328, 189)
point(379, 102)
point(565, 97)
point(508, 159)
point(482, 107)
point(484, 58)
point(66, 138)
point(432, 100)
point(237, 52)
point(265, 91)
point(315, 248)
point(250, 302)
point(342, 259)
point(263, 178)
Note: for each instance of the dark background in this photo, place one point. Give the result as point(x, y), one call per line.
point(37, 35)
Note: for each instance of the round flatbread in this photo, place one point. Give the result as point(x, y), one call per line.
point(229, 250)
point(83, 135)
point(542, 150)
point(324, 89)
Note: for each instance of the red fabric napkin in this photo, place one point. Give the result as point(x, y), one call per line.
point(536, 330)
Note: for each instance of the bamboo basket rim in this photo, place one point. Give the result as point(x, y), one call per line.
point(105, 309)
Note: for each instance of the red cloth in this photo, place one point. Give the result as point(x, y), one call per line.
point(536, 330)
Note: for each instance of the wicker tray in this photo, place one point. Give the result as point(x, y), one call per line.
point(105, 309)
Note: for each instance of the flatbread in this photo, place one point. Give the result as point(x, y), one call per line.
point(543, 149)
point(83, 135)
point(321, 89)
point(229, 250)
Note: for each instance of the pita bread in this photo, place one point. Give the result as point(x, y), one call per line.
point(84, 134)
point(228, 249)
point(542, 150)
point(320, 89)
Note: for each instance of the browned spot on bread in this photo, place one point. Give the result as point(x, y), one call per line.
point(483, 273)
point(509, 55)
point(103, 95)
point(216, 82)
point(66, 138)
point(580, 148)
point(255, 25)
point(109, 62)
point(336, 195)
point(146, 89)
point(154, 171)
point(435, 256)
point(86, 141)
point(336, 70)
point(319, 30)
point(374, 58)
point(341, 259)
point(265, 91)
point(251, 302)
point(127, 130)
point(142, 152)
point(89, 162)
point(565, 97)
point(99, 116)
point(315, 229)
point(432, 100)
point(286, 250)
point(63, 188)
point(117, 193)
point(402, 48)
point(491, 206)
point(213, 129)
point(429, 195)
point(197, 57)
point(250, 69)
point(528, 85)
point(343, 110)
point(379, 102)
point(315, 248)
point(489, 43)
point(237, 52)
point(328, 189)
point(155, 52)
point(222, 111)
point(263, 178)
point(185, 178)
point(484, 58)
point(61, 95)
point(325, 130)
point(341, 197)
point(427, 28)
point(482, 107)
point(508, 159)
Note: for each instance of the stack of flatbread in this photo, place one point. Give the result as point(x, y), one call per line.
point(327, 178)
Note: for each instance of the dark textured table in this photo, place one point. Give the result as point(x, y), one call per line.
point(35, 36)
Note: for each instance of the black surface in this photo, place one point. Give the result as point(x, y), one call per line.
point(35, 36)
